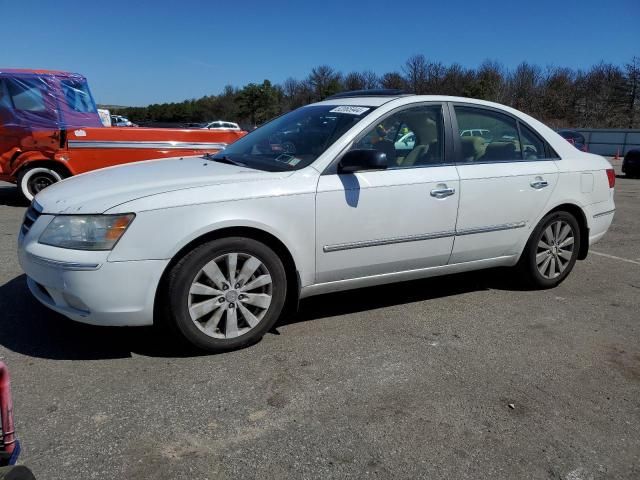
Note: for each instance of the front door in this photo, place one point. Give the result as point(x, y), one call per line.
point(398, 219)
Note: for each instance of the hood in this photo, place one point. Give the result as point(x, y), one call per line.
point(100, 190)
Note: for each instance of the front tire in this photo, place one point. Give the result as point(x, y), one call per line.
point(32, 180)
point(226, 294)
point(552, 251)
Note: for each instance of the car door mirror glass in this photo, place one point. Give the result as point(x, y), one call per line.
point(362, 159)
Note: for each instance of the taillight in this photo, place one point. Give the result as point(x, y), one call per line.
point(611, 175)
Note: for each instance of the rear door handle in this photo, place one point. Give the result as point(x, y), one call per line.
point(442, 192)
point(538, 184)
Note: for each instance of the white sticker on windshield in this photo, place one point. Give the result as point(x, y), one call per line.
point(350, 110)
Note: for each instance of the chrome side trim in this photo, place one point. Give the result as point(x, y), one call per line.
point(386, 241)
point(492, 228)
point(602, 214)
point(146, 144)
point(417, 238)
point(48, 262)
point(381, 279)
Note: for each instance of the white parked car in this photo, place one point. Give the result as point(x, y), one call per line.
point(120, 121)
point(218, 246)
point(221, 125)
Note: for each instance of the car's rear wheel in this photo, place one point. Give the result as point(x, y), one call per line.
point(33, 180)
point(227, 293)
point(552, 250)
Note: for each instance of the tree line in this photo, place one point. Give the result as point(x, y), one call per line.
point(604, 96)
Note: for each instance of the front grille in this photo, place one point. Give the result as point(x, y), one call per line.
point(30, 217)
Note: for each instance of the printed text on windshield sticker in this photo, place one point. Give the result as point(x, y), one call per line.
point(350, 110)
point(288, 159)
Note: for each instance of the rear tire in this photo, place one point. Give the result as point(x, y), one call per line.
point(225, 294)
point(32, 180)
point(551, 252)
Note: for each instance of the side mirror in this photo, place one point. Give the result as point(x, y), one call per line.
point(359, 160)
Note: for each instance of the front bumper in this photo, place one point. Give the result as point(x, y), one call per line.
point(86, 287)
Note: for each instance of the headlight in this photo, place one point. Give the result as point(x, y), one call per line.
point(86, 232)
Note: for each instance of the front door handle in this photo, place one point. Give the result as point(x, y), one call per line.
point(539, 183)
point(442, 192)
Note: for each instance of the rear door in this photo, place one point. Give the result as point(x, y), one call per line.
point(507, 176)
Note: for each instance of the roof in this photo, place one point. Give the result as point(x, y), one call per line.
point(30, 71)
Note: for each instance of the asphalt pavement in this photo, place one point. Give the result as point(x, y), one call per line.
point(413, 380)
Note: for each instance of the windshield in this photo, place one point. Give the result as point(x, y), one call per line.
point(293, 141)
point(77, 96)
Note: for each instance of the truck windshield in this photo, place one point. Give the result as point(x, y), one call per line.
point(77, 95)
point(293, 141)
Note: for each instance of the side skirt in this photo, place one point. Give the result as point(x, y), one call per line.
point(352, 283)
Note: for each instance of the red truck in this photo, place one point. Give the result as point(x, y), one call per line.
point(50, 129)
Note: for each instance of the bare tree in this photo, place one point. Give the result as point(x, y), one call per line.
point(325, 81)
point(490, 82)
point(632, 70)
point(524, 86)
point(603, 94)
point(354, 81)
point(370, 79)
point(558, 99)
point(393, 80)
point(415, 72)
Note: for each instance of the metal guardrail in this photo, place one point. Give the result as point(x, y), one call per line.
point(610, 141)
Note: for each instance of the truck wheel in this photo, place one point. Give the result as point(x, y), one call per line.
point(35, 179)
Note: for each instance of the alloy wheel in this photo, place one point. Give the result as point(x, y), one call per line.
point(230, 295)
point(555, 249)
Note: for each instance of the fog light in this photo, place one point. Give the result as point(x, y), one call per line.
point(75, 302)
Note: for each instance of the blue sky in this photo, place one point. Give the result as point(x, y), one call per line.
point(141, 52)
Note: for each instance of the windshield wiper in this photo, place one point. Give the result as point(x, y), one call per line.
point(222, 159)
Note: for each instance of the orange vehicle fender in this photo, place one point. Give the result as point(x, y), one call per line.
point(26, 158)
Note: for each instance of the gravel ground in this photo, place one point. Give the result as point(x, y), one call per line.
point(406, 381)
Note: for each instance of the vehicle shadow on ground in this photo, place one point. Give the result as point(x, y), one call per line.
point(28, 328)
point(9, 196)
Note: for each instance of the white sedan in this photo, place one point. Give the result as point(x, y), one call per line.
point(316, 201)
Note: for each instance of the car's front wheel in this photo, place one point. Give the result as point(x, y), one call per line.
point(552, 250)
point(226, 293)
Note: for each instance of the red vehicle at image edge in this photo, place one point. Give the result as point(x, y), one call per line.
point(50, 129)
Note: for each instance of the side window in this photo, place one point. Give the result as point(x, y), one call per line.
point(411, 138)
point(26, 95)
point(532, 144)
point(496, 138)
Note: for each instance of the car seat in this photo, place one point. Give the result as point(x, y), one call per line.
point(426, 149)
